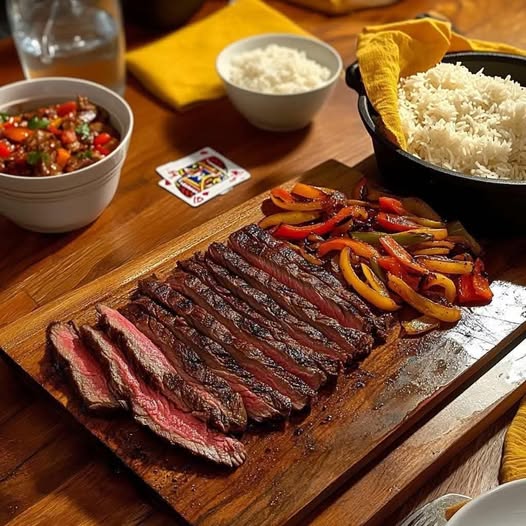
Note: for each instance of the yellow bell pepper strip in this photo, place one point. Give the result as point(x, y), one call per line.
point(392, 205)
point(432, 251)
point(308, 191)
point(325, 227)
point(421, 325)
point(374, 281)
point(284, 199)
point(396, 250)
point(288, 218)
point(458, 234)
point(437, 234)
point(445, 265)
point(384, 303)
point(421, 303)
point(435, 244)
point(359, 212)
point(428, 223)
point(361, 202)
point(474, 288)
point(439, 280)
point(418, 207)
point(405, 239)
point(339, 243)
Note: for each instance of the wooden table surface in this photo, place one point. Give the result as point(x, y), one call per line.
point(50, 472)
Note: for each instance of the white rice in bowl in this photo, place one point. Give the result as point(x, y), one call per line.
point(467, 122)
point(277, 69)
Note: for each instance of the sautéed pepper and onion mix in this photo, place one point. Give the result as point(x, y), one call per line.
point(55, 139)
point(391, 251)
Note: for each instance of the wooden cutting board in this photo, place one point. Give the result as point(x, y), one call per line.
point(289, 469)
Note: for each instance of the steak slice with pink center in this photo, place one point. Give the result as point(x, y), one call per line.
point(82, 367)
point(153, 410)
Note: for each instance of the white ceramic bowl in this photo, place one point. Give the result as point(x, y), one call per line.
point(61, 203)
point(503, 506)
point(277, 112)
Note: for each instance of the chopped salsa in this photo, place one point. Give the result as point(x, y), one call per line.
point(55, 139)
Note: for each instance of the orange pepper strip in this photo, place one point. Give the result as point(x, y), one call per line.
point(393, 248)
point(421, 303)
point(384, 303)
point(62, 157)
point(432, 251)
point(339, 243)
point(288, 218)
point(284, 200)
point(446, 266)
point(308, 191)
point(17, 134)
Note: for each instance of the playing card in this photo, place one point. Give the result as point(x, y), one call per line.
point(199, 177)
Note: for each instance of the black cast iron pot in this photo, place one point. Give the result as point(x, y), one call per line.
point(485, 206)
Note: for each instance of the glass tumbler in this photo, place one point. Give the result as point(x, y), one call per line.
point(70, 38)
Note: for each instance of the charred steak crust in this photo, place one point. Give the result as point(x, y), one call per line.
point(274, 263)
point(190, 366)
point(303, 332)
point(303, 356)
point(250, 357)
point(381, 322)
point(354, 343)
point(295, 358)
point(258, 398)
point(150, 362)
point(153, 410)
point(245, 300)
point(82, 368)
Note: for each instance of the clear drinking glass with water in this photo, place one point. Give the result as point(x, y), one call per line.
point(70, 38)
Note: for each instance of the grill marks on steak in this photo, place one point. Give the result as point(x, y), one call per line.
point(258, 398)
point(292, 357)
point(150, 361)
point(353, 343)
point(82, 367)
point(326, 353)
point(153, 410)
point(343, 295)
point(247, 243)
point(245, 354)
point(190, 366)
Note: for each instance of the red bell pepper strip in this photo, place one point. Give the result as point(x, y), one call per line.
point(66, 108)
point(394, 223)
point(301, 232)
point(392, 205)
point(393, 248)
point(102, 149)
point(474, 288)
point(360, 189)
point(393, 266)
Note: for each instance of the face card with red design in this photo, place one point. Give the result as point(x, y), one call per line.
point(199, 177)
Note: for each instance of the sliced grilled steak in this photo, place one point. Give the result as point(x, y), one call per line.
point(190, 366)
point(294, 260)
point(150, 361)
point(153, 410)
point(250, 357)
point(354, 343)
point(82, 367)
point(248, 244)
point(305, 380)
point(258, 398)
point(295, 328)
point(303, 356)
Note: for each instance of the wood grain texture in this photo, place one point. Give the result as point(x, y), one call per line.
point(35, 268)
point(369, 408)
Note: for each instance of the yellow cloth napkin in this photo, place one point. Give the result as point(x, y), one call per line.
point(388, 52)
point(514, 456)
point(180, 68)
